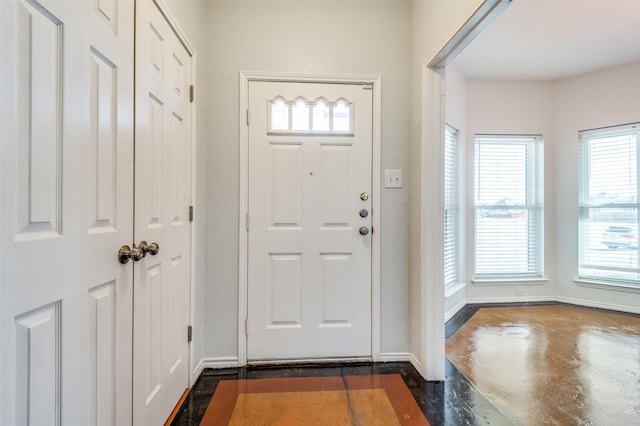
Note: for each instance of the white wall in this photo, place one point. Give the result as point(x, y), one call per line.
point(395, 39)
point(303, 37)
point(558, 110)
point(597, 99)
point(511, 107)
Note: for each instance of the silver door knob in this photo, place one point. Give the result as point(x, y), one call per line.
point(125, 253)
point(364, 213)
point(363, 230)
point(364, 196)
point(152, 248)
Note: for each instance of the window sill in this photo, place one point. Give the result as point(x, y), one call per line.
point(452, 289)
point(607, 285)
point(510, 281)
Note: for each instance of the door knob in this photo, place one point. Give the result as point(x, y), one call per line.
point(363, 230)
point(125, 253)
point(364, 213)
point(152, 248)
point(364, 196)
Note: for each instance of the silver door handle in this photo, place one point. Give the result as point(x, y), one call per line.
point(363, 230)
point(125, 253)
point(152, 248)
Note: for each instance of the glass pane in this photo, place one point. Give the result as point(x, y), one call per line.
point(300, 115)
point(341, 117)
point(501, 174)
point(612, 170)
point(450, 210)
point(504, 242)
point(450, 247)
point(279, 115)
point(609, 243)
point(321, 116)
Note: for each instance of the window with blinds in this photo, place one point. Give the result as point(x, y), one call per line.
point(451, 207)
point(608, 204)
point(508, 206)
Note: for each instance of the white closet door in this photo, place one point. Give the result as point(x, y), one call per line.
point(66, 175)
point(162, 199)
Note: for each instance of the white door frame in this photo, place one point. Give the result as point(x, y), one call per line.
point(432, 105)
point(245, 79)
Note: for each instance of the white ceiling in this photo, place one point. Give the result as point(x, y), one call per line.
point(553, 39)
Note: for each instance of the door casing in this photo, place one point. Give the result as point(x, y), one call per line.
point(245, 78)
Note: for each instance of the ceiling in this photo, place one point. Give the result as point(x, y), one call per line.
point(554, 39)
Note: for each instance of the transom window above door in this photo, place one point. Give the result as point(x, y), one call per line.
point(300, 116)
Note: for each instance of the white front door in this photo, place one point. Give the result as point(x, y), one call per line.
point(309, 239)
point(162, 199)
point(66, 208)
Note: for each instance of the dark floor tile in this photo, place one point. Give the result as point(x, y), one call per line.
point(452, 402)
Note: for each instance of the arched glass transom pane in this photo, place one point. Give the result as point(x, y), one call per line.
point(279, 115)
point(300, 115)
point(341, 117)
point(321, 113)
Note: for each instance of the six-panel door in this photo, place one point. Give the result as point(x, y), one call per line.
point(309, 278)
point(66, 207)
point(162, 198)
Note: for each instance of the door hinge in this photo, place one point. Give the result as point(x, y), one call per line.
point(247, 116)
point(189, 334)
point(247, 221)
point(190, 213)
point(246, 327)
point(192, 93)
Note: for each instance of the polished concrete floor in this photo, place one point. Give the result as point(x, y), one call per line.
point(560, 365)
point(524, 365)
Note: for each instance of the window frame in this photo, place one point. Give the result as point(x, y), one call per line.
point(590, 274)
point(451, 186)
point(292, 105)
point(534, 206)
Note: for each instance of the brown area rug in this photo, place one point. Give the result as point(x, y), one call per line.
point(352, 400)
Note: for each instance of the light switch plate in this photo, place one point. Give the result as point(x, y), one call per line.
point(393, 178)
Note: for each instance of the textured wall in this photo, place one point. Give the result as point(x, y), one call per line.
point(303, 37)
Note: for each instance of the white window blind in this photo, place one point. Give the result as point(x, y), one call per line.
point(451, 208)
point(508, 206)
point(609, 206)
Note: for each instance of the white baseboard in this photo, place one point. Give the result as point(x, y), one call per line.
point(216, 363)
point(601, 305)
point(402, 357)
point(232, 362)
point(560, 299)
point(304, 361)
point(417, 365)
point(449, 314)
point(519, 299)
